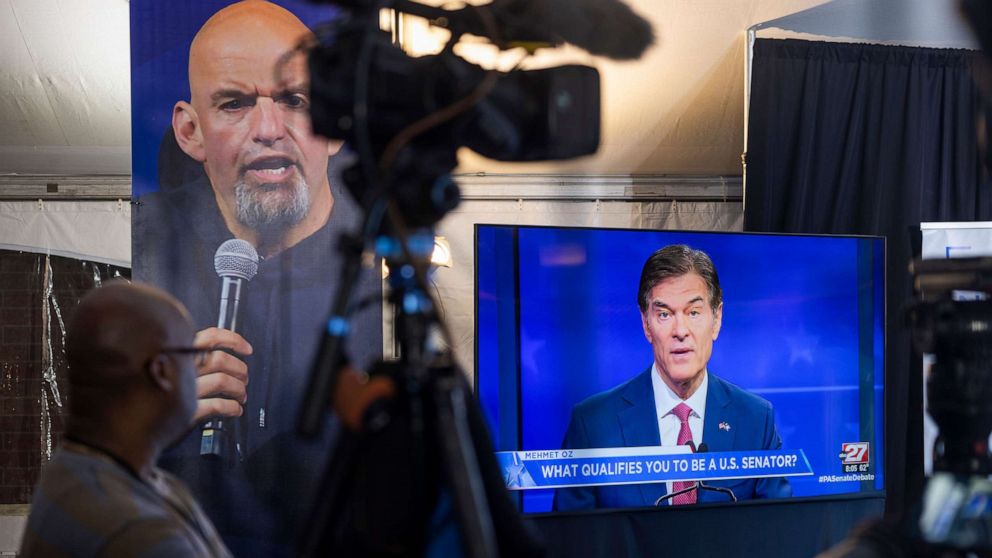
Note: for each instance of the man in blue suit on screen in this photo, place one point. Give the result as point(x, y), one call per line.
point(676, 401)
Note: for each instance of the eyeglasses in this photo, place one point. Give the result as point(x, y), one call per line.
point(199, 354)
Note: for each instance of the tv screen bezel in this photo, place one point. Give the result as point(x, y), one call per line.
point(861, 495)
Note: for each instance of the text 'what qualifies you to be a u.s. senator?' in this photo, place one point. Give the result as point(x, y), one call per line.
point(585, 467)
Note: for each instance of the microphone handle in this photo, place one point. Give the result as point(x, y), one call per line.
point(230, 298)
point(214, 438)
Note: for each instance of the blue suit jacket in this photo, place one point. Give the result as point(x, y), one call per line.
point(625, 416)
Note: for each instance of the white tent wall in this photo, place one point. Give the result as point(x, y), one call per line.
point(96, 231)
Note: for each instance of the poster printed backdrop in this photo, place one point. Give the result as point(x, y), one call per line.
point(792, 333)
point(160, 35)
point(258, 487)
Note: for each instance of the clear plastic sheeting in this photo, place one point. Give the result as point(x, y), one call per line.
point(37, 295)
point(50, 387)
point(456, 285)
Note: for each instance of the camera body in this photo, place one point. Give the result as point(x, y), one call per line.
point(952, 319)
point(369, 92)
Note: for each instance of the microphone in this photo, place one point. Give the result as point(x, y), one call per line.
point(695, 484)
point(602, 27)
point(703, 448)
point(236, 263)
point(663, 497)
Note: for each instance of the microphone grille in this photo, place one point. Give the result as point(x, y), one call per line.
point(236, 258)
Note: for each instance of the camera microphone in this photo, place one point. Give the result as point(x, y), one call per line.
point(236, 263)
point(607, 28)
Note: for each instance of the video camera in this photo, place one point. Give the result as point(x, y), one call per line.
point(952, 319)
point(411, 114)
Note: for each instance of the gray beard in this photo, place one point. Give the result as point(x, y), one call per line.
point(269, 218)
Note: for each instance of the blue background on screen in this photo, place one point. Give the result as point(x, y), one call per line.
point(792, 333)
point(160, 36)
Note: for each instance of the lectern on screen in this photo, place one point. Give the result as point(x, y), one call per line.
point(794, 381)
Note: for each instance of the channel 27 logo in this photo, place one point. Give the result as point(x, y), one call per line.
point(855, 457)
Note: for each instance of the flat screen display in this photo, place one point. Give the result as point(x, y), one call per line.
point(581, 366)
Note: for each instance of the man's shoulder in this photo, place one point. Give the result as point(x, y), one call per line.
point(739, 396)
point(88, 500)
point(74, 479)
point(610, 400)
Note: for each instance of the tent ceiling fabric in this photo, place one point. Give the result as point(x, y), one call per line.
point(66, 92)
point(679, 110)
point(928, 23)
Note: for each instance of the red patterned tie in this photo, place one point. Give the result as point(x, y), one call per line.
point(682, 412)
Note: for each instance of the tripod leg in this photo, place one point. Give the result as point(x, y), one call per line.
point(318, 537)
point(462, 465)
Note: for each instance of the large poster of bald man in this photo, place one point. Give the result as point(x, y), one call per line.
point(223, 150)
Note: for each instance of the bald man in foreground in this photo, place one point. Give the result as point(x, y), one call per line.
point(263, 178)
point(132, 393)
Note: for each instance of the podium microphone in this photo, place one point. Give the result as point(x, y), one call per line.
point(698, 485)
point(721, 489)
point(236, 263)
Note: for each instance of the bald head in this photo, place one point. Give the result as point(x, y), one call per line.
point(127, 395)
point(229, 35)
point(113, 334)
point(248, 122)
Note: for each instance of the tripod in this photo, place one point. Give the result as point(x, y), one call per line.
point(404, 456)
point(415, 438)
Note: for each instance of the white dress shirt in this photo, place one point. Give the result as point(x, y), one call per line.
point(665, 400)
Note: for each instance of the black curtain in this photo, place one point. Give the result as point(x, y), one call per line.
point(868, 139)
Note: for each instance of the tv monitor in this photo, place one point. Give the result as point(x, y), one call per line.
point(560, 334)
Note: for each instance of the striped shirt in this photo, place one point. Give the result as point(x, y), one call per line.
point(89, 505)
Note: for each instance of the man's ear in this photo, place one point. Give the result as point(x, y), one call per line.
point(162, 373)
point(644, 324)
point(333, 146)
point(718, 321)
point(186, 127)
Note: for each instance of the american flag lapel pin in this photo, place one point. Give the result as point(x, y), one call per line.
point(725, 426)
